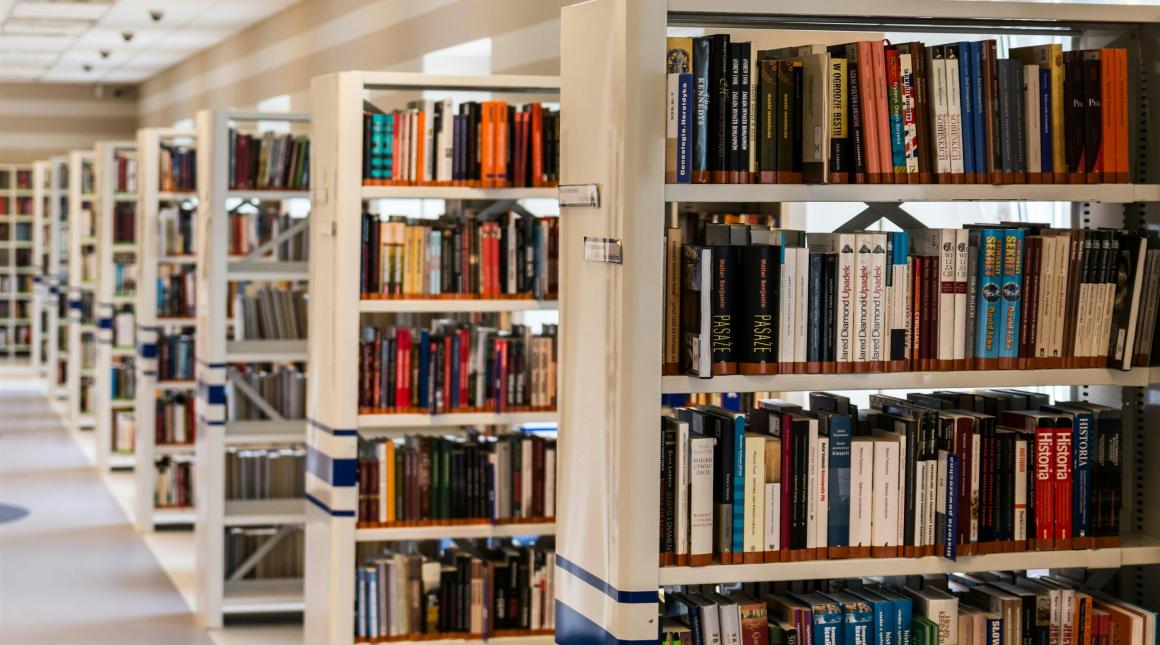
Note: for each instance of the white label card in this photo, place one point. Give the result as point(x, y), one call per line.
point(578, 196)
point(603, 249)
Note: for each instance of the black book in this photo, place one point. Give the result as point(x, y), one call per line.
point(735, 134)
point(757, 331)
point(829, 308)
point(725, 243)
point(1007, 117)
point(744, 104)
point(814, 329)
point(719, 56)
point(1075, 109)
point(839, 112)
point(1018, 111)
point(1093, 125)
point(799, 113)
point(701, 123)
point(854, 110)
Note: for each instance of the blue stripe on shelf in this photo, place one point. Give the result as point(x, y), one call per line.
point(211, 365)
point(105, 323)
point(75, 304)
point(147, 350)
point(338, 432)
point(214, 394)
point(203, 419)
point(314, 500)
point(336, 472)
point(574, 628)
point(626, 597)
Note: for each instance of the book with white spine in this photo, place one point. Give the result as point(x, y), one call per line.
point(788, 279)
point(1020, 489)
point(961, 270)
point(822, 538)
point(700, 499)
point(878, 329)
point(861, 491)
point(801, 305)
point(954, 110)
point(812, 486)
point(754, 539)
point(939, 110)
point(862, 270)
point(845, 316)
point(947, 271)
point(1062, 271)
point(682, 501)
point(1045, 317)
point(884, 525)
point(1033, 145)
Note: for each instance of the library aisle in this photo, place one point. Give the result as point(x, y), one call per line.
point(59, 519)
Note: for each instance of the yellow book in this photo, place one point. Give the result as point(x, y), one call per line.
point(388, 487)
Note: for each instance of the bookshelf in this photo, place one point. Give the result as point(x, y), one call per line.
point(116, 255)
point(41, 234)
point(82, 276)
point(16, 266)
point(613, 96)
point(336, 315)
point(218, 592)
point(56, 280)
point(151, 326)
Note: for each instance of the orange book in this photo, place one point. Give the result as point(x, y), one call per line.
point(397, 170)
point(501, 137)
point(882, 112)
point(486, 154)
point(1123, 164)
point(1109, 111)
point(870, 124)
point(537, 146)
point(420, 146)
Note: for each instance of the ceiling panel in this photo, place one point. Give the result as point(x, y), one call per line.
point(64, 37)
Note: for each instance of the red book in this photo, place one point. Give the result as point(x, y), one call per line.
point(917, 333)
point(786, 477)
point(448, 356)
point(404, 377)
point(537, 146)
point(964, 426)
point(1062, 495)
point(500, 373)
point(866, 98)
point(1045, 506)
point(882, 112)
point(464, 355)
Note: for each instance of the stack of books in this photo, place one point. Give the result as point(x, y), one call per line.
point(174, 418)
point(178, 169)
point(265, 473)
point(932, 474)
point(268, 161)
point(880, 112)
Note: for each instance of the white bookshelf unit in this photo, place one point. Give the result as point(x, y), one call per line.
point(41, 235)
point(221, 591)
point(83, 220)
point(613, 102)
point(56, 281)
point(111, 254)
point(150, 326)
point(16, 266)
point(337, 313)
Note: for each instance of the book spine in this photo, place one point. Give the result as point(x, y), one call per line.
point(967, 92)
point(1012, 293)
point(894, 97)
point(868, 112)
point(1044, 488)
point(767, 112)
point(946, 298)
point(840, 159)
point(909, 115)
point(882, 110)
point(1093, 117)
point(733, 118)
point(1075, 116)
point(979, 112)
point(745, 116)
point(757, 337)
point(854, 100)
point(684, 173)
point(701, 98)
point(1063, 487)
point(939, 113)
point(1018, 92)
point(954, 113)
point(1046, 127)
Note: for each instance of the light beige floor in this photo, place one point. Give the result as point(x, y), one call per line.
point(74, 569)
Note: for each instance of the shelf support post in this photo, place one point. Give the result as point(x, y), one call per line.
point(876, 211)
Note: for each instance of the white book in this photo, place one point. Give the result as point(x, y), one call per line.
point(1125, 338)
point(1045, 315)
point(788, 278)
point(847, 290)
point(823, 514)
point(703, 353)
point(772, 516)
point(1062, 270)
point(947, 257)
point(730, 620)
point(976, 447)
point(863, 264)
point(812, 487)
point(884, 527)
point(1020, 489)
point(1032, 145)
point(712, 622)
point(682, 500)
point(754, 539)
point(700, 496)
point(921, 500)
point(961, 271)
point(954, 112)
point(940, 112)
point(940, 496)
point(801, 304)
point(931, 485)
point(861, 491)
point(1055, 631)
point(446, 136)
point(1067, 614)
point(910, 130)
point(878, 331)
point(941, 608)
point(381, 456)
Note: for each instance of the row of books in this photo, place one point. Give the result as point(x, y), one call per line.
point(441, 480)
point(19, 335)
point(178, 169)
point(270, 313)
point(510, 255)
point(932, 474)
point(877, 112)
point(14, 309)
point(456, 367)
point(268, 161)
point(464, 593)
point(123, 379)
point(249, 230)
point(124, 222)
point(88, 178)
point(985, 608)
point(124, 277)
point(124, 435)
point(19, 179)
point(484, 144)
point(175, 357)
point(285, 560)
point(176, 297)
point(265, 473)
point(17, 232)
point(175, 418)
point(124, 327)
point(125, 172)
point(173, 485)
point(282, 387)
point(751, 300)
point(175, 235)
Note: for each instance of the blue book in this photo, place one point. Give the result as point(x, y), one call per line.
point(967, 89)
point(903, 614)
point(435, 246)
point(994, 633)
point(684, 129)
point(990, 273)
point(454, 359)
point(424, 369)
point(1012, 292)
point(900, 258)
point(827, 618)
point(857, 618)
point(731, 401)
point(840, 428)
point(951, 526)
point(738, 483)
point(884, 629)
point(979, 129)
point(1046, 134)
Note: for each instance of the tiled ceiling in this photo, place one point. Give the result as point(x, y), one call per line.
point(84, 41)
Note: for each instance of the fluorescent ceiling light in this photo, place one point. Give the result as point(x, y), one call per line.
point(39, 43)
point(46, 26)
point(60, 9)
